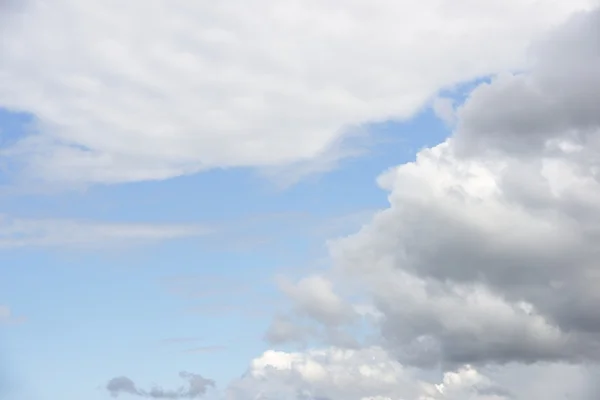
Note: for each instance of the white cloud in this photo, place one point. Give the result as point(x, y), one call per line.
point(371, 374)
point(332, 373)
point(156, 89)
point(487, 254)
point(15, 232)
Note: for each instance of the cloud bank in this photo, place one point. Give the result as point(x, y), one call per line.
point(157, 89)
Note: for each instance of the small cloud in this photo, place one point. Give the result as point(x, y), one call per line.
point(196, 388)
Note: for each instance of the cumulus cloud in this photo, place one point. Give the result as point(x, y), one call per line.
point(487, 254)
point(487, 251)
point(368, 373)
point(20, 232)
point(197, 387)
point(157, 89)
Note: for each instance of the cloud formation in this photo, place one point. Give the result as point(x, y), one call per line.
point(487, 255)
point(160, 88)
point(197, 387)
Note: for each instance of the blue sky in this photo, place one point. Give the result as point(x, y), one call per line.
point(98, 313)
point(181, 179)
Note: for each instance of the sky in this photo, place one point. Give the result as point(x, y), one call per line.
point(317, 200)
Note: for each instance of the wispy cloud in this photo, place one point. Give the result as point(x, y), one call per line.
point(16, 232)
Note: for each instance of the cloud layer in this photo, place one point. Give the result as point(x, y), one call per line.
point(157, 89)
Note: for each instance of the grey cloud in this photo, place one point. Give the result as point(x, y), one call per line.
point(558, 97)
point(293, 329)
point(122, 384)
point(9, 7)
point(315, 297)
point(319, 313)
point(495, 392)
point(488, 251)
point(197, 387)
point(485, 264)
point(284, 329)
